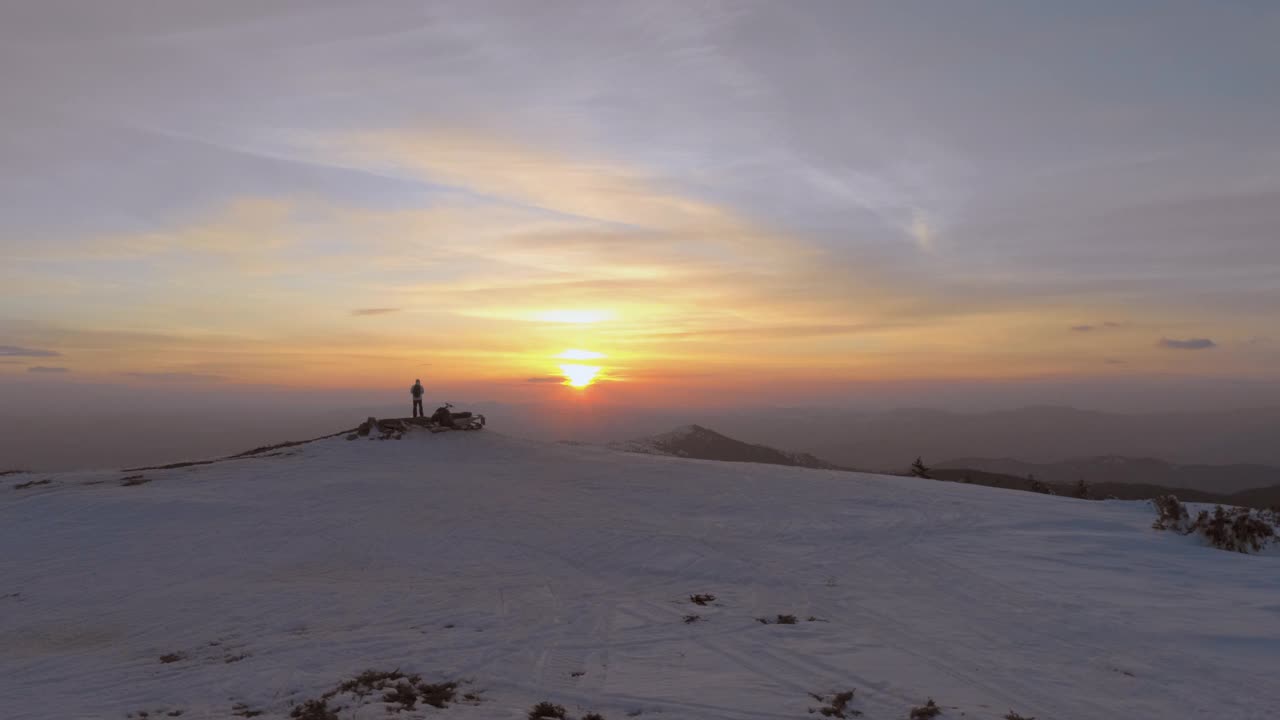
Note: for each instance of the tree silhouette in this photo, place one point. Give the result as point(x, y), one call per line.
point(918, 469)
point(1038, 486)
point(1081, 489)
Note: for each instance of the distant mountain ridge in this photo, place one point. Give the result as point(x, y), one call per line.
point(1220, 479)
point(1108, 477)
point(700, 443)
point(890, 440)
point(1260, 498)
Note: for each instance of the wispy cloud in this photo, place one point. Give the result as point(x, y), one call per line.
point(1090, 327)
point(175, 377)
point(1188, 344)
point(15, 351)
point(365, 312)
point(546, 379)
point(44, 369)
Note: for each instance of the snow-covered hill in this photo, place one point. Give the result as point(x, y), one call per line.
point(697, 442)
point(563, 573)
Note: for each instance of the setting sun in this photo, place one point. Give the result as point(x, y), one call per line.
point(579, 375)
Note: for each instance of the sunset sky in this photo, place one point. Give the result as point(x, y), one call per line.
point(729, 199)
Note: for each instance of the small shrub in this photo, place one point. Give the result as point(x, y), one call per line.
point(242, 710)
point(439, 695)
point(837, 706)
point(926, 711)
point(547, 711)
point(920, 470)
point(598, 716)
point(692, 619)
point(314, 710)
point(398, 690)
point(1170, 513)
point(1081, 490)
point(402, 694)
point(369, 681)
point(172, 657)
point(1236, 529)
point(702, 598)
point(786, 619)
point(1015, 716)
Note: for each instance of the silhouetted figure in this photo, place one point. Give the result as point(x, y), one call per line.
point(416, 392)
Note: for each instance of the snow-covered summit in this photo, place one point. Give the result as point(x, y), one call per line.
point(698, 442)
point(563, 573)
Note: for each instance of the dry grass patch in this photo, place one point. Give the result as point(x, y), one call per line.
point(778, 619)
point(547, 711)
point(836, 706)
point(397, 691)
point(314, 710)
point(926, 711)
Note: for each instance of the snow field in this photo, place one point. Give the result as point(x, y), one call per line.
point(562, 573)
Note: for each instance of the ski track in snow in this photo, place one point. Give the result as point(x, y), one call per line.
point(562, 572)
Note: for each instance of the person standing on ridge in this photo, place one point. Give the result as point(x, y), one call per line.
point(416, 392)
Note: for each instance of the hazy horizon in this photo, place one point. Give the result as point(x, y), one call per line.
point(68, 425)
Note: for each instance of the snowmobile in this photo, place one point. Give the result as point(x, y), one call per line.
point(444, 418)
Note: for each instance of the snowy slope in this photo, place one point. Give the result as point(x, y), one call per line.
point(695, 441)
point(546, 571)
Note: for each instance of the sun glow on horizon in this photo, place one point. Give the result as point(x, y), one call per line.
point(575, 354)
point(579, 376)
